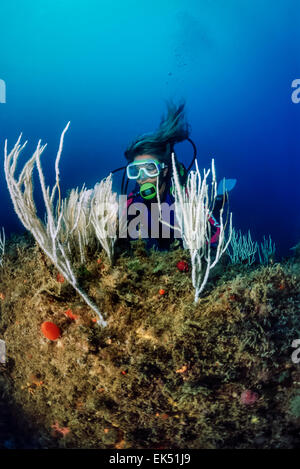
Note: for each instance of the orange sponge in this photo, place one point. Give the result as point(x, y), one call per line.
point(50, 330)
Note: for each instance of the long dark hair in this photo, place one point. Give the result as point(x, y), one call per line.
point(173, 129)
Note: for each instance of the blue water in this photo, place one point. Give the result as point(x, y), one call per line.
point(108, 67)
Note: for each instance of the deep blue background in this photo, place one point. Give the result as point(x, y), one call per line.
point(109, 66)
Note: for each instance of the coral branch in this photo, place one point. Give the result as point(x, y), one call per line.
point(194, 204)
point(2, 246)
point(104, 215)
point(48, 235)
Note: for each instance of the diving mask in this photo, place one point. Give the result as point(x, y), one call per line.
point(144, 169)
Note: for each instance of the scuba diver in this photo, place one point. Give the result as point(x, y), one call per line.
point(149, 159)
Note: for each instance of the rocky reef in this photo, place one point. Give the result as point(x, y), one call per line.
point(165, 372)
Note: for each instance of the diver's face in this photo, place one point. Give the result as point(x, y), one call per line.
point(152, 180)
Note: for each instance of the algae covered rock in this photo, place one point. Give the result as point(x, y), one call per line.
point(164, 373)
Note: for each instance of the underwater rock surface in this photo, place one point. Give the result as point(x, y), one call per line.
point(164, 373)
